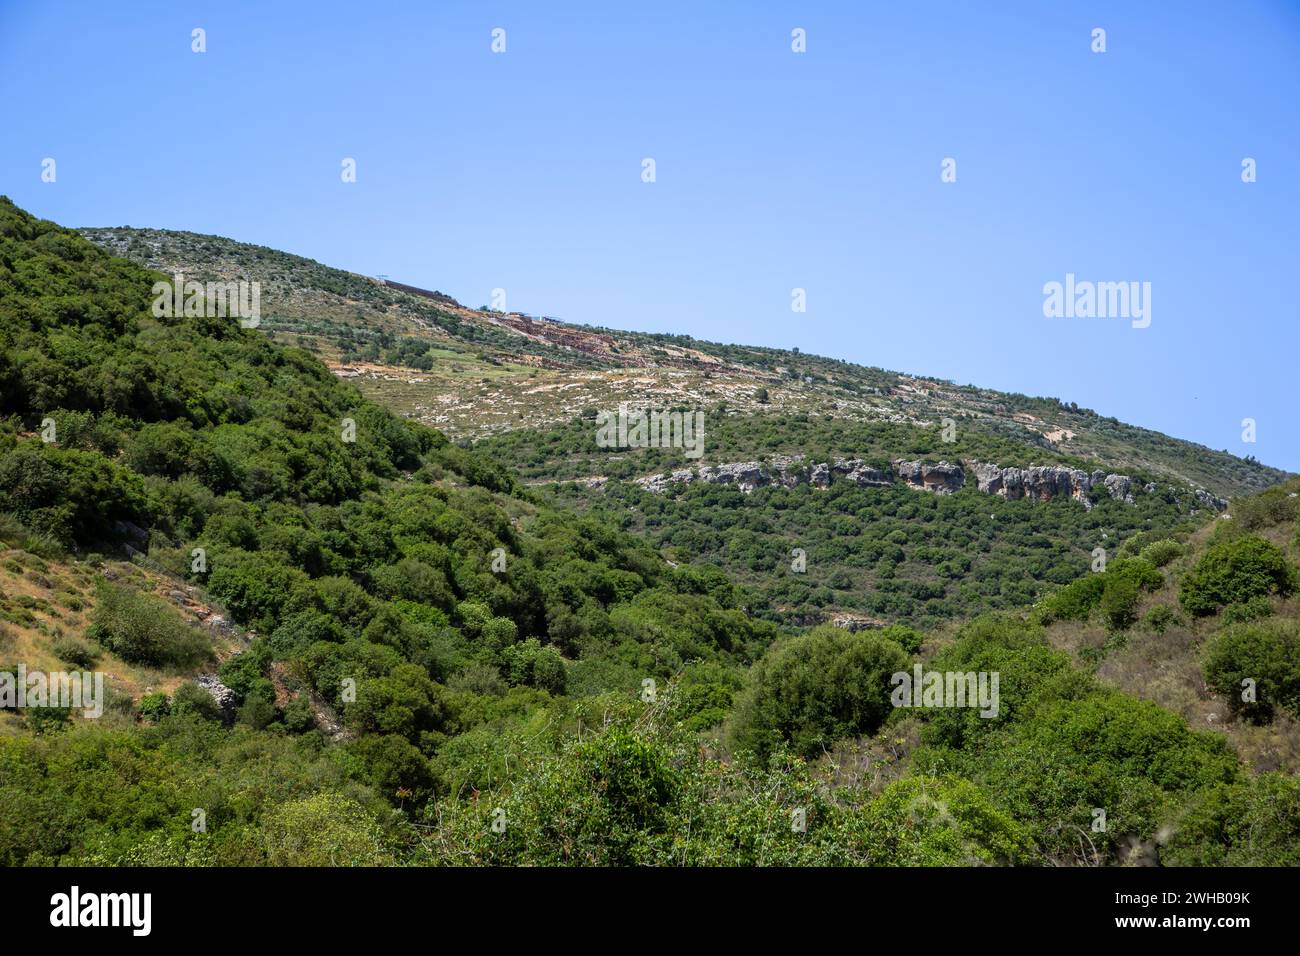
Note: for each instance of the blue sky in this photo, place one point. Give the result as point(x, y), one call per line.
point(775, 170)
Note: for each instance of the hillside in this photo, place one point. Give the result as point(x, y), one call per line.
point(472, 372)
point(527, 391)
point(516, 683)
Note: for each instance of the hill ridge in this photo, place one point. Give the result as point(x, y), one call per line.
point(479, 373)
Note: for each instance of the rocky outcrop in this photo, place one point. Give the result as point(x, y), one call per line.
point(786, 472)
point(1040, 483)
point(1045, 482)
point(225, 697)
point(857, 622)
point(943, 478)
point(1037, 483)
point(1207, 500)
point(1119, 486)
point(859, 472)
point(745, 475)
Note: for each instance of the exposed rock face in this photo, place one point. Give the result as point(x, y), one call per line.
point(1119, 486)
point(659, 483)
point(1040, 483)
point(1207, 500)
point(745, 475)
point(856, 622)
point(1037, 483)
point(943, 478)
point(223, 695)
point(782, 471)
point(860, 473)
point(218, 624)
point(1045, 482)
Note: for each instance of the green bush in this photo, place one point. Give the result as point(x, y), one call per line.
point(1128, 756)
point(193, 700)
point(1235, 571)
point(1119, 600)
point(1266, 652)
point(1252, 610)
point(1074, 602)
point(324, 830)
point(1160, 553)
point(298, 717)
point(815, 689)
point(534, 665)
point(143, 629)
point(1267, 509)
point(155, 706)
point(1159, 618)
point(908, 638)
point(74, 651)
point(1116, 591)
point(1252, 823)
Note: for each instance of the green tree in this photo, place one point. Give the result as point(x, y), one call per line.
point(1236, 571)
point(815, 689)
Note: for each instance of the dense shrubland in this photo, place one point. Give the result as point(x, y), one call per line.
point(588, 702)
point(892, 553)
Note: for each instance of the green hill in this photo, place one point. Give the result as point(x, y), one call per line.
point(426, 661)
point(473, 372)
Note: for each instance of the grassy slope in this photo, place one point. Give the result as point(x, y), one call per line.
point(1165, 666)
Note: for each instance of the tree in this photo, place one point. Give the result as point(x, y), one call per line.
point(815, 689)
point(327, 829)
point(1236, 571)
point(1264, 653)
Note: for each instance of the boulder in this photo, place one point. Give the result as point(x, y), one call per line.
point(225, 697)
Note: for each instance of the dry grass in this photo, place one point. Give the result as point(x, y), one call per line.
point(42, 600)
point(1166, 668)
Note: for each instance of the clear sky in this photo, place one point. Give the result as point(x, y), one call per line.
point(522, 170)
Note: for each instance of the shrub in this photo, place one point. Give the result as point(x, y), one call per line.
point(1252, 823)
point(528, 662)
point(1160, 553)
point(1159, 618)
point(298, 717)
point(943, 821)
point(908, 638)
point(155, 706)
point(1074, 602)
point(1116, 591)
point(143, 629)
point(190, 698)
point(76, 652)
point(1104, 750)
point(1267, 652)
point(1234, 572)
point(327, 829)
point(256, 712)
point(1252, 610)
point(1138, 570)
point(1119, 600)
point(814, 689)
point(1267, 509)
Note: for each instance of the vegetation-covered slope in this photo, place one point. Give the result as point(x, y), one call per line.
point(514, 683)
point(474, 372)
